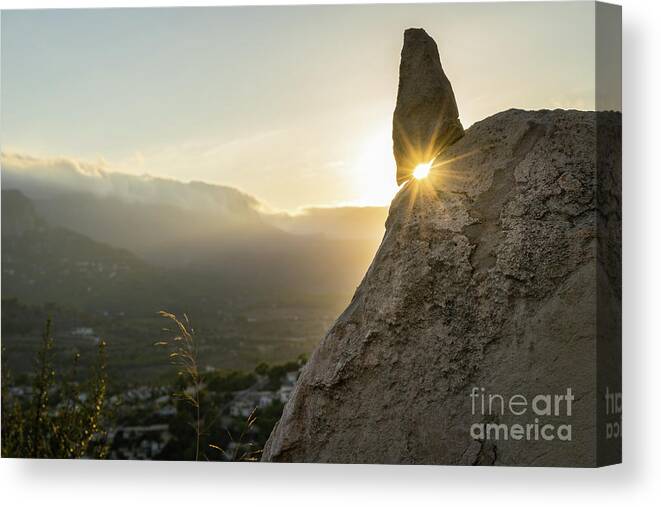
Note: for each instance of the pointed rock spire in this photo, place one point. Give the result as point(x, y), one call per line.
point(426, 118)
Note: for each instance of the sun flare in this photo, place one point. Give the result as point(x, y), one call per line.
point(421, 171)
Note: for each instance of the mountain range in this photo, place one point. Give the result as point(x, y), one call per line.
point(177, 224)
point(110, 250)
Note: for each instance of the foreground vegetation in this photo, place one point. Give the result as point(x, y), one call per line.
point(62, 418)
point(212, 415)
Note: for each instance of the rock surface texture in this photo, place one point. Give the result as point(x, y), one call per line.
point(487, 277)
point(426, 119)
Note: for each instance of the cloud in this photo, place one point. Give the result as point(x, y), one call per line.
point(42, 177)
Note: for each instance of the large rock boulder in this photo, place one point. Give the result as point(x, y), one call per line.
point(426, 119)
point(486, 278)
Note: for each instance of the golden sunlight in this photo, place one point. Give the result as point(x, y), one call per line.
point(373, 168)
point(421, 171)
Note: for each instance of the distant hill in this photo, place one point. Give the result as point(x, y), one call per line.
point(158, 232)
point(182, 225)
point(18, 214)
point(169, 256)
point(267, 295)
point(41, 262)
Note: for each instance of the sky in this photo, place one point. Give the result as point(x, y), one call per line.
point(292, 105)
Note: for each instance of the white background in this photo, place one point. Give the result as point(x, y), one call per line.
point(636, 482)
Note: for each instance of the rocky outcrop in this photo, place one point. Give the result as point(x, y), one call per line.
point(426, 119)
point(486, 278)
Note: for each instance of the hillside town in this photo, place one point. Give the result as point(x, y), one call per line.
point(145, 416)
point(145, 422)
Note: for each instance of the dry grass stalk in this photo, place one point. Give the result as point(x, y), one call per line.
point(183, 356)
